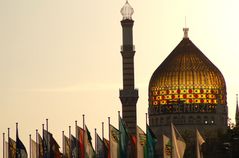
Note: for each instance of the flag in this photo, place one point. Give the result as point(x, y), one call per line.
point(20, 148)
point(50, 146)
point(74, 147)
point(100, 153)
point(141, 142)
point(54, 148)
point(167, 147)
point(33, 149)
point(89, 151)
point(80, 135)
point(123, 138)
point(106, 146)
point(40, 147)
point(66, 153)
point(178, 143)
point(5, 150)
point(151, 142)
point(46, 144)
point(12, 150)
point(199, 142)
point(114, 142)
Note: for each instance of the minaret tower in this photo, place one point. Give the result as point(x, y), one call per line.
point(237, 112)
point(128, 95)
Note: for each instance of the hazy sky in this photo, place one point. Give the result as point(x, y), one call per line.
point(60, 59)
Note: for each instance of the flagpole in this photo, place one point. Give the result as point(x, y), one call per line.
point(103, 138)
point(8, 135)
point(30, 146)
point(16, 136)
point(43, 140)
point(3, 137)
point(119, 132)
point(103, 131)
point(96, 151)
point(146, 119)
point(16, 130)
point(76, 130)
point(37, 141)
point(63, 144)
point(70, 140)
point(118, 119)
point(196, 144)
point(83, 134)
point(47, 125)
point(77, 137)
point(109, 135)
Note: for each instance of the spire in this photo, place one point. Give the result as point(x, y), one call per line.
point(127, 11)
point(185, 29)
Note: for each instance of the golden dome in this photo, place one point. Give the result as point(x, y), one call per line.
point(187, 76)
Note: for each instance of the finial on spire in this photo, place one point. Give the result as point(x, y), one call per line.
point(185, 29)
point(127, 11)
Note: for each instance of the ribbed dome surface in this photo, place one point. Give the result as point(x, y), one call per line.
point(188, 76)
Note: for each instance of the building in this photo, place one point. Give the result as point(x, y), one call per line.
point(186, 89)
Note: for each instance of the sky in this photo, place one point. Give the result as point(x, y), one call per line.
point(61, 59)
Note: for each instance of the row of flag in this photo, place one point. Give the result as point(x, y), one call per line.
point(119, 145)
point(175, 147)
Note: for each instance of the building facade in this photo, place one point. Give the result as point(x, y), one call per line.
point(188, 90)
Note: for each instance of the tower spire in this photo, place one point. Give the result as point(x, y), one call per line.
point(128, 95)
point(185, 29)
point(127, 11)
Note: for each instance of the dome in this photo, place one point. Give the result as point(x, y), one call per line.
point(127, 11)
point(187, 76)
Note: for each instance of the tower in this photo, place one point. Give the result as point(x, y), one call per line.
point(128, 95)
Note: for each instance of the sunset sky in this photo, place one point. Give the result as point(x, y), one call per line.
point(60, 59)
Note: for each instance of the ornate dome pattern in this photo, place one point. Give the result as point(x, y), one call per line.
point(187, 76)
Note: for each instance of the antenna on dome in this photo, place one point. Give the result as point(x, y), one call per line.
point(185, 21)
point(185, 29)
